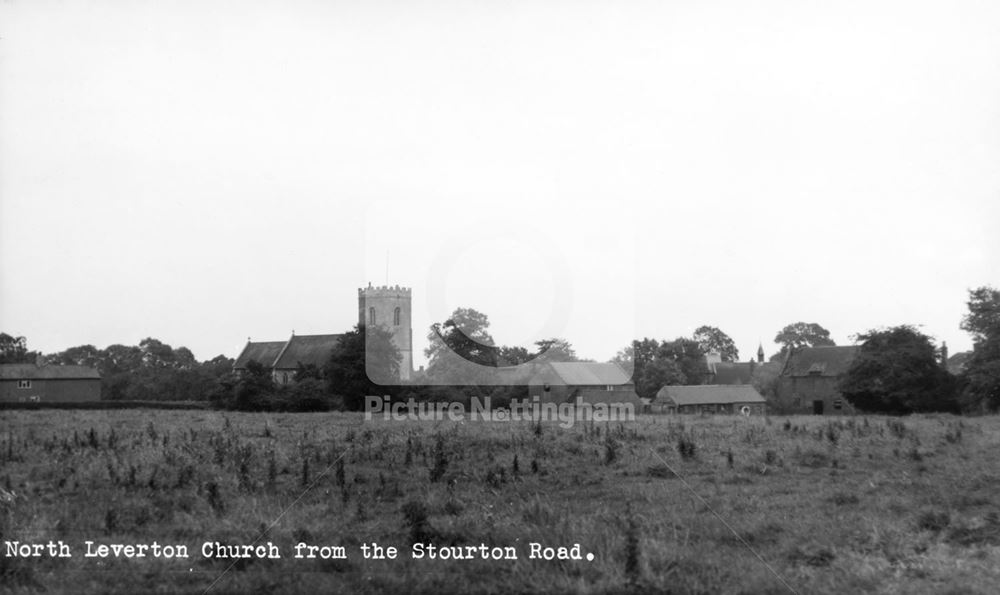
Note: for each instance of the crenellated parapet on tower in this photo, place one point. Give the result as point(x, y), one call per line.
point(389, 307)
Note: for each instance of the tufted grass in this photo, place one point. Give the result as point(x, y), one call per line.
point(832, 505)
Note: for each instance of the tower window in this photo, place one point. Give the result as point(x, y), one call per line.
point(371, 316)
point(395, 317)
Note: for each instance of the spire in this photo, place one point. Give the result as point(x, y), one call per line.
point(760, 353)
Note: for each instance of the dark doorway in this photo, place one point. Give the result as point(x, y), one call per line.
point(817, 407)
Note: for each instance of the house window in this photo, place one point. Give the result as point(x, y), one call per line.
point(395, 317)
point(371, 316)
point(23, 384)
point(838, 404)
point(284, 377)
point(609, 388)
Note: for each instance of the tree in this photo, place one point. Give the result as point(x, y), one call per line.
point(218, 366)
point(466, 334)
point(710, 338)
point(896, 371)
point(120, 358)
point(82, 355)
point(155, 353)
point(363, 363)
point(801, 334)
point(636, 357)
point(14, 350)
point(982, 371)
point(688, 356)
point(765, 381)
point(555, 350)
point(462, 351)
point(656, 364)
point(656, 374)
point(151, 371)
point(253, 388)
point(307, 372)
point(117, 365)
point(513, 355)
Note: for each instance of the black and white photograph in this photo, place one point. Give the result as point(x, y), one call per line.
point(500, 297)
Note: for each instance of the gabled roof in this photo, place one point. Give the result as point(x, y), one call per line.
point(307, 350)
point(829, 361)
point(738, 372)
point(731, 372)
point(517, 375)
point(33, 372)
point(956, 363)
point(581, 374)
point(262, 352)
point(709, 394)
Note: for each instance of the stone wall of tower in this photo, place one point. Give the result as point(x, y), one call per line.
point(391, 308)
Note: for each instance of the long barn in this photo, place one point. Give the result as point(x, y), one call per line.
point(709, 398)
point(30, 383)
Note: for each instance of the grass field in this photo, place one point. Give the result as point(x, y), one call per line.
point(665, 504)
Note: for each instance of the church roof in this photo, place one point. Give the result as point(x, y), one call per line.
point(288, 355)
point(262, 352)
point(307, 350)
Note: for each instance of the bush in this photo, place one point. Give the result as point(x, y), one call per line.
point(686, 447)
point(896, 371)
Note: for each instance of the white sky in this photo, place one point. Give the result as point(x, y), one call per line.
point(201, 172)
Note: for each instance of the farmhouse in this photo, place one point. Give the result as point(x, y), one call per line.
point(708, 398)
point(810, 379)
point(27, 383)
point(285, 358)
point(583, 382)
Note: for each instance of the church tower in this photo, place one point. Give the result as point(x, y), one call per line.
point(389, 307)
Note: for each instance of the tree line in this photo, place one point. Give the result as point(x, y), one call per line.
point(149, 371)
point(896, 370)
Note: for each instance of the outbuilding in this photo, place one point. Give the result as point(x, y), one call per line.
point(709, 398)
point(31, 383)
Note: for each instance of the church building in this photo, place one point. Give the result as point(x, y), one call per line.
point(386, 306)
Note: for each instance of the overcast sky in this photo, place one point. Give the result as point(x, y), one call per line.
point(204, 172)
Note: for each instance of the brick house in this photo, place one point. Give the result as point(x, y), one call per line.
point(810, 380)
point(31, 383)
